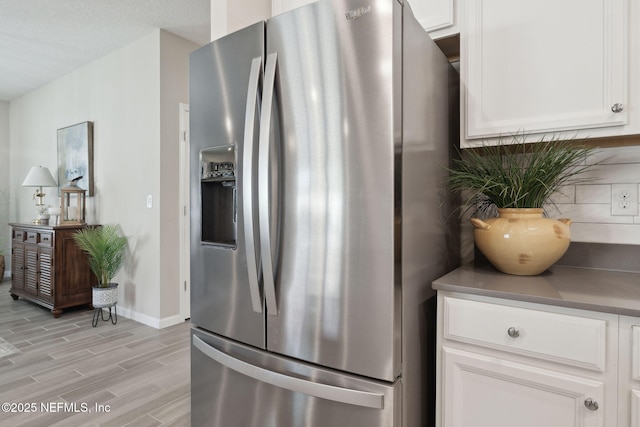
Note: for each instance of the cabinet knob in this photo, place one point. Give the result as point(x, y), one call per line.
point(513, 332)
point(617, 108)
point(591, 404)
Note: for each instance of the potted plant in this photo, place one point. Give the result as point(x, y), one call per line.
point(518, 179)
point(105, 248)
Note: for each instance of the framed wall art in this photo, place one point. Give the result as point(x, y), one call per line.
point(75, 155)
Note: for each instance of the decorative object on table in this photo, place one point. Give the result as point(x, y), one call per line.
point(39, 177)
point(54, 216)
point(105, 247)
point(73, 208)
point(518, 179)
point(75, 155)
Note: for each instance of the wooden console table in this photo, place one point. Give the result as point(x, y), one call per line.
point(48, 268)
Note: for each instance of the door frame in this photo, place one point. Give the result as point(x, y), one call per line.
point(185, 245)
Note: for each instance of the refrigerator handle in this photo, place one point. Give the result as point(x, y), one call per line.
point(264, 185)
point(322, 391)
point(247, 183)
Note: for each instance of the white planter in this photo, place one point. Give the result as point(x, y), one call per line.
point(105, 297)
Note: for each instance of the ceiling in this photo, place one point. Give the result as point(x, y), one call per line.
point(42, 40)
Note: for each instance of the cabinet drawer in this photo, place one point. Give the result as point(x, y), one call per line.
point(19, 235)
point(46, 239)
point(572, 340)
point(32, 237)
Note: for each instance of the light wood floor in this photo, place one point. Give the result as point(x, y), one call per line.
point(141, 375)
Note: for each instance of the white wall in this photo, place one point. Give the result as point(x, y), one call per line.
point(174, 89)
point(121, 94)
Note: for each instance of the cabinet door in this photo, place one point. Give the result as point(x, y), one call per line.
point(543, 66)
point(17, 266)
point(281, 6)
point(629, 373)
point(31, 269)
point(45, 274)
point(438, 17)
point(482, 391)
point(635, 409)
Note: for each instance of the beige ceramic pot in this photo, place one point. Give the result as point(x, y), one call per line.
point(522, 241)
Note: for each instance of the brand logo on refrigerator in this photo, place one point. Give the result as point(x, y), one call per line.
point(352, 15)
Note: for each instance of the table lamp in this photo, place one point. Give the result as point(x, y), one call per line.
point(40, 176)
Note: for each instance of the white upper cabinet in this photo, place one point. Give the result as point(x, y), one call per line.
point(438, 17)
point(549, 66)
point(281, 6)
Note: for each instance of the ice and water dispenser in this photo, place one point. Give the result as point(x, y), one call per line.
point(219, 196)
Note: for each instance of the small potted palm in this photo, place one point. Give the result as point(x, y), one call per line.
point(519, 179)
point(105, 248)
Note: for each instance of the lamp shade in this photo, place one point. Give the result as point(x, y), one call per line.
point(39, 176)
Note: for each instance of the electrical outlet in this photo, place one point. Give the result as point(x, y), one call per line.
point(624, 199)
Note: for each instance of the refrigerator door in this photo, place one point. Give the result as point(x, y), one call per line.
point(238, 386)
point(337, 96)
point(225, 81)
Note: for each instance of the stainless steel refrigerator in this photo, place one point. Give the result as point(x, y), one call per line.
point(319, 145)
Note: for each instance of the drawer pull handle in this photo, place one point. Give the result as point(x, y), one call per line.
point(513, 332)
point(591, 404)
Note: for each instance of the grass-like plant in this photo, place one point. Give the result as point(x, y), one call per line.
point(519, 174)
point(105, 247)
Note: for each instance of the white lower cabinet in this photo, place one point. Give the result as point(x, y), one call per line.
point(483, 391)
point(629, 372)
point(504, 363)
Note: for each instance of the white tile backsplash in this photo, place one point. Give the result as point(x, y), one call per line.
point(613, 173)
point(567, 194)
point(590, 207)
point(593, 193)
point(616, 155)
point(589, 213)
point(623, 234)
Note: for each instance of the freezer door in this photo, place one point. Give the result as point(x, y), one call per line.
point(225, 79)
point(237, 386)
point(335, 297)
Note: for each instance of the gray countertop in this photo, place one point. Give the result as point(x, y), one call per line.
point(583, 288)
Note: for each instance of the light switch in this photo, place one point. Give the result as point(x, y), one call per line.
point(149, 201)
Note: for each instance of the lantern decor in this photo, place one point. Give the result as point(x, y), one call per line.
point(72, 204)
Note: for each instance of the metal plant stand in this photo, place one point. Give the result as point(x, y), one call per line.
point(113, 316)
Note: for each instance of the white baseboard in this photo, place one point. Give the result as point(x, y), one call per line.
point(154, 322)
